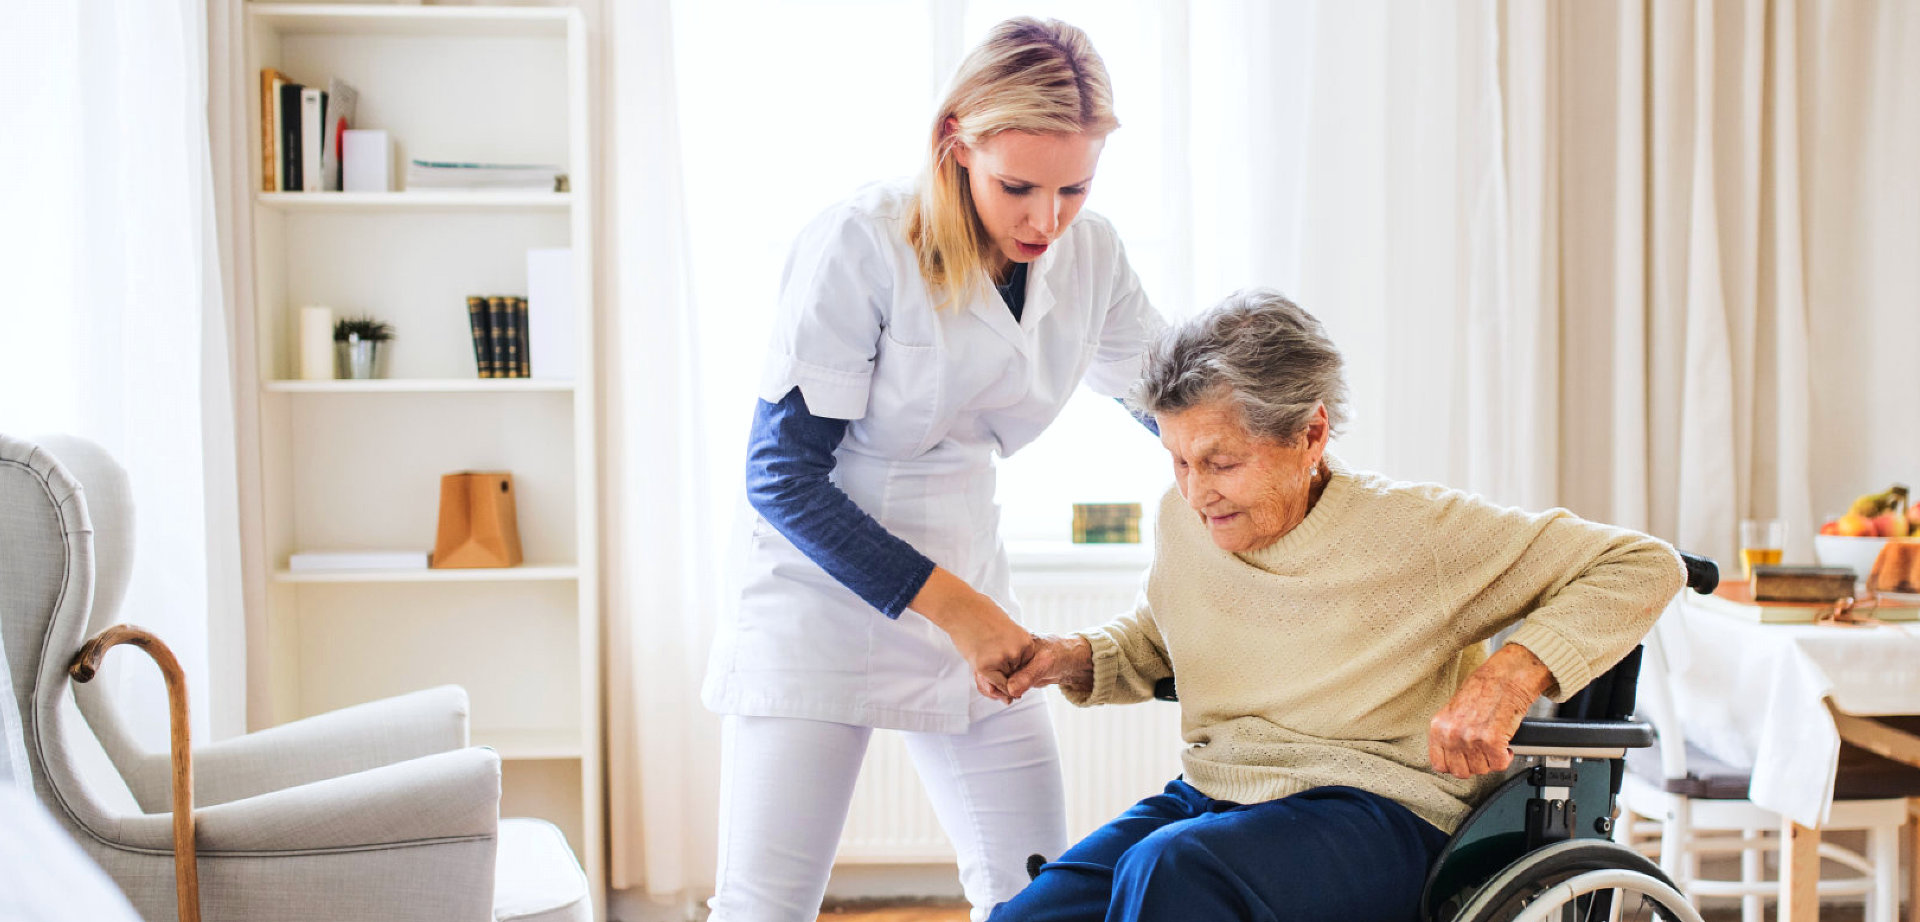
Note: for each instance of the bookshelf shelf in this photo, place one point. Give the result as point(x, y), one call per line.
point(425, 386)
point(525, 573)
point(415, 201)
point(424, 21)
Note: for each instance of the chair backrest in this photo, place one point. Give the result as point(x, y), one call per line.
point(46, 596)
point(1657, 703)
point(108, 495)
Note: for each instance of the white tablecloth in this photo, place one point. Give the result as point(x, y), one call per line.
point(1755, 694)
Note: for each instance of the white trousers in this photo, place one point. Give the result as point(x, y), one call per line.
point(786, 783)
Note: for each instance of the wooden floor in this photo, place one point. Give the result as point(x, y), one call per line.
point(958, 913)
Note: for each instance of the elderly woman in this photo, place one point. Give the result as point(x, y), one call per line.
point(1327, 627)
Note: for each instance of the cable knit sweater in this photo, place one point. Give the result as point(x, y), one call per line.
point(1321, 658)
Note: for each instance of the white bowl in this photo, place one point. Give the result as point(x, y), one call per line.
point(1842, 551)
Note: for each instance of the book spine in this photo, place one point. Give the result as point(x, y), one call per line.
point(290, 137)
point(520, 322)
point(313, 107)
point(477, 319)
point(514, 332)
point(269, 130)
point(497, 335)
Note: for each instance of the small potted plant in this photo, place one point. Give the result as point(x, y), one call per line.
point(360, 347)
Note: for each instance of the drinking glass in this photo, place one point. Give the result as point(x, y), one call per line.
point(1762, 541)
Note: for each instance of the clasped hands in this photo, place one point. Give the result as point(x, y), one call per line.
point(1045, 659)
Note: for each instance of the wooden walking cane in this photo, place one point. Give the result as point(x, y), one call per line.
point(186, 875)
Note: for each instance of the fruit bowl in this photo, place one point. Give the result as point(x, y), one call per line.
point(1843, 551)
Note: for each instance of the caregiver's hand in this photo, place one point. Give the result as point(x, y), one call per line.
point(1469, 736)
point(1055, 659)
point(989, 640)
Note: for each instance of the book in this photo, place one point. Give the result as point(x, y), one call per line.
point(313, 120)
point(517, 338)
point(497, 335)
point(309, 561)
point(1736, 599)
point(482, 336)
point(548, 345)
point(1811, 585)
point(342, 98)
point(289, 117)
point(270, 82)
point(447, 174)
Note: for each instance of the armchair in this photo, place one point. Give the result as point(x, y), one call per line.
point(373, 812)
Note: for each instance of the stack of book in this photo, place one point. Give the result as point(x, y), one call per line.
point(499, 324)
point(300, 129)
point(487, 177)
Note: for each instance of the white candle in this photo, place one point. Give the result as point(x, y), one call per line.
point(316, 343)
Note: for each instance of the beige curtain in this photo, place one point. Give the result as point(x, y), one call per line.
point(1569, 245)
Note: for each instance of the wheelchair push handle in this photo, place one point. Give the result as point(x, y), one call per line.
point(1703, 575)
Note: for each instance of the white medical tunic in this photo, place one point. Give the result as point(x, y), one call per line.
point(932, 396)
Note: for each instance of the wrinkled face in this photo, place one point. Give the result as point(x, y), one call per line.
point(1028, 187)
point(1249, 491)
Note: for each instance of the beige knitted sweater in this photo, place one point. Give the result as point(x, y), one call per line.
point(1321, 659)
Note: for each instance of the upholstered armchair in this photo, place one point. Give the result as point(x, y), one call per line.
point(376, 812)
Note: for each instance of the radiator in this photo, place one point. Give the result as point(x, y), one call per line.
point(1111, 756)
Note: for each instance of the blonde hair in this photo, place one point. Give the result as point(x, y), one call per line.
point(1033, 75)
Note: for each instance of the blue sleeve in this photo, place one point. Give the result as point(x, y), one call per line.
point(789, 455)
point(1146, 419)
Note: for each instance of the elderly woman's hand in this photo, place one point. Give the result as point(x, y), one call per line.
point(1054, 659)
point(1469, 736)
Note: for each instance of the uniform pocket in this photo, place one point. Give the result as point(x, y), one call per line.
point(905, 399)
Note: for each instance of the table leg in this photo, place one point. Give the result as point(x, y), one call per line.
point(1799, 873)
point(1913, 875)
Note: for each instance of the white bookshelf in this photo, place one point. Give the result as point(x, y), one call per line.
point(356, 464)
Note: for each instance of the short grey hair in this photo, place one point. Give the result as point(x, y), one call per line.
point(1256, 349)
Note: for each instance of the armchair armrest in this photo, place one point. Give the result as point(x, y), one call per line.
point(330, 745)
point(444, 796)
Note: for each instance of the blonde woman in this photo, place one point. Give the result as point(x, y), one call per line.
point(922, 329)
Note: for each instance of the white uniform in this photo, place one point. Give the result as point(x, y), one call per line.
point(932, 396)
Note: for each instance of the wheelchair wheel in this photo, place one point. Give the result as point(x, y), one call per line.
point(1579, 880)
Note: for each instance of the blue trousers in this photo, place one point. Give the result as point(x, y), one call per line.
point(1332, 853)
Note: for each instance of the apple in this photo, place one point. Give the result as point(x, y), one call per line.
point(1913, 519)
point(1890, 525)
point(1856, 526)
point(1831, 528)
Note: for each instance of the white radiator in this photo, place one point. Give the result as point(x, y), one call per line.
point(1111, 756)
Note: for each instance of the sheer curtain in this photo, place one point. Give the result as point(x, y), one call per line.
point(1567, 245)
point(114, 320)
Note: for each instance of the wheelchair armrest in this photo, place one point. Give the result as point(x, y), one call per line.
point(1594, 738)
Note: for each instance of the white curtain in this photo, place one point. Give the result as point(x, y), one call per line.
point(114, 320)
point(1568, 245)
point(659, 559)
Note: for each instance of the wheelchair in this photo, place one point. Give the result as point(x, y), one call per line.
point(1540, 847)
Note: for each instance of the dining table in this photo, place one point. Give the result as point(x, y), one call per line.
point(1780, 698)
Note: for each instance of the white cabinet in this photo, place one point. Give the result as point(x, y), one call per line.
point(356, 464)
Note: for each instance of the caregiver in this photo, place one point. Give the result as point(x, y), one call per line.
point(922, 329)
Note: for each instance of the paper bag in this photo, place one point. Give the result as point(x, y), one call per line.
point(477, 523)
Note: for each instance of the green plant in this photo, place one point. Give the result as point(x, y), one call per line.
point(363, 328)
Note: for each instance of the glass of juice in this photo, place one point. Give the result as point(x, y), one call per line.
point(1762, 541)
